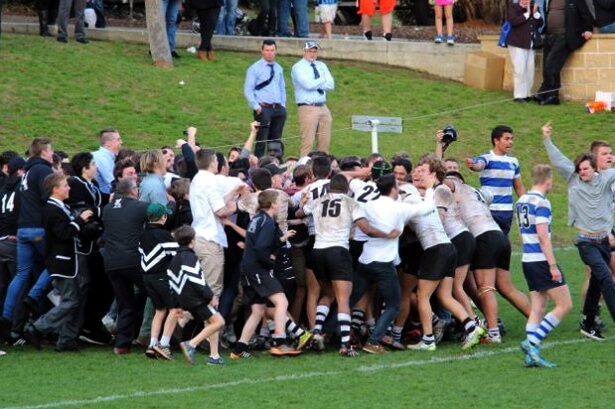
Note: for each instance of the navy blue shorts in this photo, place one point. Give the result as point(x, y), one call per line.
point(538, 276)
point(258, 287)
point(503, 219)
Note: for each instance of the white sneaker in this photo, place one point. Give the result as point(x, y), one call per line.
point(491, 339)
point(422, 346)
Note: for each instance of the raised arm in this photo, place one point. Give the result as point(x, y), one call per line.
point(560, 162)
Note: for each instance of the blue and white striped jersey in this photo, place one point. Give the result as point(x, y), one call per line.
point(497, 177)
point(532, 209)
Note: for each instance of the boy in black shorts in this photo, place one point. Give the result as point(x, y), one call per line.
point(157, 247)
point(259, 284)
point(187, 280)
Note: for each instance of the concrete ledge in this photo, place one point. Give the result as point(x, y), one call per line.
point(589, 69)
point(436, 59)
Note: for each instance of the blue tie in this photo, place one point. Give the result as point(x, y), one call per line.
point(316, 76)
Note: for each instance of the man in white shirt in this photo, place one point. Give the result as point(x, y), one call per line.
point(208, 205)
point(312, 79)
point(380, 255)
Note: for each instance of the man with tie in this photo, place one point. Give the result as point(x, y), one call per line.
point(265, 91)
point(312, 80)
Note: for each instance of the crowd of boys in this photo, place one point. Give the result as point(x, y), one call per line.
point(171, 247)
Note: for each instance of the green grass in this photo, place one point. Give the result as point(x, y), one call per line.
point(489, 376)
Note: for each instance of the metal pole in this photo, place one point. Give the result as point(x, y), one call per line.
point(374, 124)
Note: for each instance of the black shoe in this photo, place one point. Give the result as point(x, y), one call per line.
point(175, 55)
point(521, 100)
point(62, 40)
point(32, 306)
point(82, 41)
point(33, 336)
point(388, 36)
point(591, 332)
point(552, 100)
point(368, 35)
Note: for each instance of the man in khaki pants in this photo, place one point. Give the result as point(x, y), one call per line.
point(208, 206)
point(312, 80)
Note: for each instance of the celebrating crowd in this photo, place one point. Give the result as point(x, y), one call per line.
point(168, 251)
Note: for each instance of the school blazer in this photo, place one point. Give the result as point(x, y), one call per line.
point(61, 232)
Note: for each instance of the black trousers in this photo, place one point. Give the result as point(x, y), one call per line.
point(128, 321)
point(100, 294)
point(273, 120)
point(555, 54)
point(207, 19)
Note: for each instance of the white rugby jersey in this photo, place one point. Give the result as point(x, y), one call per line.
point(363, 192)
point(428, 228)
point(386, 214)
point(451, 220)
point(473, 209)
point(333, 218)
point(532, 208)
point(315, 190)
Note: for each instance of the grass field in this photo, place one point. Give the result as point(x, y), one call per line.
point(488, 376)
point(69, 92)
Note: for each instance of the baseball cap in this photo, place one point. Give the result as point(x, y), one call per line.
point(155, 211)
point(16, 164)
point(310, 44)
point(274, 169)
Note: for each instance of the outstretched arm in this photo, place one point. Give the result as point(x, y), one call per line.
point(560, 162)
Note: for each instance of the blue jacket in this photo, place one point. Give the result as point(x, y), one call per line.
point(262, 240)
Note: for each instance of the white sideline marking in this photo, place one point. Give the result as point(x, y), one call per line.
point(283, 378)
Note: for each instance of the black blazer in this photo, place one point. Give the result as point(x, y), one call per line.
point(60, 239)
point(84, 195)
